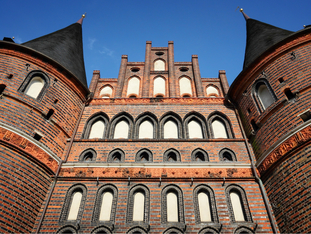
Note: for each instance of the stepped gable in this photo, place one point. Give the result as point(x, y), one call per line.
point(65, 47)
point(260, 37)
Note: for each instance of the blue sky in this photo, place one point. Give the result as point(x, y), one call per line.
point(214, 30)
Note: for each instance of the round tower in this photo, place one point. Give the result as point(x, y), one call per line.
point(272, 94)
point(42, 89)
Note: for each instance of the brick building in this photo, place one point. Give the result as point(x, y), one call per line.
point(159, 149)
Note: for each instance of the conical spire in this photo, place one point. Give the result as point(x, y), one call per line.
point(80, 21)
point(260, 37)
point(65, 47)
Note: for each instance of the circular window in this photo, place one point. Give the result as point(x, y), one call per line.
point(135, 69)
point(159, 53)
point(183, 69)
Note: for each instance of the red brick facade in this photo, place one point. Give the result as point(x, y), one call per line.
point(280, 134)
point(48, 155)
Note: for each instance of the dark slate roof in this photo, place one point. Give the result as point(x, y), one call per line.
point(260, 37)
point(65, 47)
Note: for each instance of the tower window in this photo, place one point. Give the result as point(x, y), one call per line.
point(289, 95)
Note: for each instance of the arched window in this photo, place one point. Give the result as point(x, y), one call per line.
point(219, 129)
point(87, 155)
point(227, 155)
point(263, 94)
point(105, 209)
point(210, 230)
point(74, 204)
point(34, 87)
point(97, 129)
point(105, 204)
point(103, 229)
point(199, 155)
point(106, 92)
point(159, 65)
point(144, 155)
point(172, 205)
point(146, 126)
point(205, 204)
point(173, 230)
point(138, 204)
point(67, 229)
point(137, 230)
point(219, 126)
point(185, 86)
point(121, 126)
point(212, 91)
point(195, 129)
point(195, 126)
point(133, 86)
point(170, 126)
point(96, 126)
point(121, 130)
point(171, 155)
point(238, 205)
point(146, 130)
point(116, 156)
point(159, 86)
point(170, 129)
point(243, 230)
point(35, 84)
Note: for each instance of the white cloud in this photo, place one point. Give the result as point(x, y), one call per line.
point(91, 42)
point(106, 51)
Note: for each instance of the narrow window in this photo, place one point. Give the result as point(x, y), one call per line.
point(88, 157)
point(199, 157)
point(204, 207)
point(211, 91)
point(219, 129)
point(97, 129)
point(121, 130)
point(185, 86)
point(227, 156)
point(133, 86)
point(106, 92)
point(49, 114)
point(195, 129)
point(105, 210)
point(34, 87)
point(254, 125)
point(159, 65)
point(237, 206)
point(75, 205)
point(146, 130)
point(37, 137)
point(170, 129)
point(171, 157)
point(139, 206)
point(2, 88)
point(172, 207)
point(289, 95)
point(144, 155)
point(305, 116)
point(265, 97)
point(159, 86)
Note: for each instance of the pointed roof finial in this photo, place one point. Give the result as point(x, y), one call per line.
point(245, 16)
point(81, 20)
